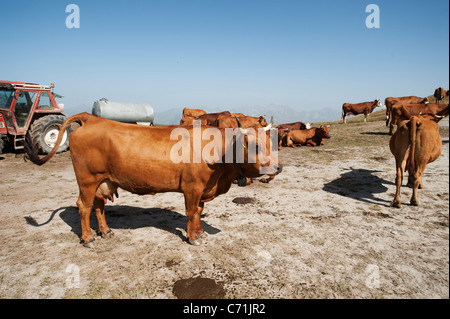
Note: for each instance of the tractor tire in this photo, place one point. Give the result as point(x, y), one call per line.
point(44, 133)
point(1, 145)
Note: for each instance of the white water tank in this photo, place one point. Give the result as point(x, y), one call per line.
point(123, 112)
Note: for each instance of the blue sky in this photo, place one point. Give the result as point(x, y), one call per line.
point(227, 54)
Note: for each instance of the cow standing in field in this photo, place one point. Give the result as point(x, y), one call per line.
point(205, 119)
point(224, 121)
point(439, 94)
point(361, 108)
point(401, 111)
point(415, 144)
point(390, 101)
point(107, 155)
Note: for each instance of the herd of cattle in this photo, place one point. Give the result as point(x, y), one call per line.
point(137, 158)
point(416, 142)
point(289, 134)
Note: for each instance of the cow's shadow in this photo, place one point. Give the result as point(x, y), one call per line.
point(360, 184)
point(128, 217)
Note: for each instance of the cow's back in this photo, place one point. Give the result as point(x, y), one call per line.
point(127, 154)
point(428, 142)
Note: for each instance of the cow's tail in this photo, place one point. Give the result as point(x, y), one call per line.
point(414, 122)
point(32, 151)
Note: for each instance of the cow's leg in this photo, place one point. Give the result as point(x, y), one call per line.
point(200, 232)
point(417, 180)
point(344, 119)
point(365, 118)
point(194, 226)
point(400, 169)
point(289, 142)
point(391, 128)
point(99, 206)
point(84, 204)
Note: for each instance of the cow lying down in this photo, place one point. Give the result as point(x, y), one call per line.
point(107, 155)
point(312, 137)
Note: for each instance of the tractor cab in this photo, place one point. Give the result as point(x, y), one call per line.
point(30, 108)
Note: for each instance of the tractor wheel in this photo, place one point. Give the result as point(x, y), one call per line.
point(44, 133)
point(1, 145)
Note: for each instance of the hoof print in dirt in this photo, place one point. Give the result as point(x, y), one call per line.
point(244, 200)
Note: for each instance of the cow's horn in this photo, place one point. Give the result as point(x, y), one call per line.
point(269, 127)
point(241, 130)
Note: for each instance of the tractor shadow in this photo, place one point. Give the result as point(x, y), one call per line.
point(128, 217)
point(360, 184)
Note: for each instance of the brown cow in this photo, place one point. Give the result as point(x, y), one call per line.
point(283, 129)
point(439, 94)
point(295, 126)
point(415, 144)
point(108, 155)
point(211, 118)
point(189, 121)
point(361, 108)
point(402, 111)
point(312, 137)
point(193, 112)
point(390, 101)
point(224, 121)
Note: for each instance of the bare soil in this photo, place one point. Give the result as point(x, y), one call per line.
point(323, 228)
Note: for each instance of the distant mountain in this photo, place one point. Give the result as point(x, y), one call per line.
point(281, 114)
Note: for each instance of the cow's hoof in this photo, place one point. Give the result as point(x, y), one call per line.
point(109, 234)
point(396, 204)
point(89, 244)
point(414, 203)
point(195, 242)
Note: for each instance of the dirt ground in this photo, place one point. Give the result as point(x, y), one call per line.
point(323, 228)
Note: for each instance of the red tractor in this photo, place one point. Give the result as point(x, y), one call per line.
point(29, 108)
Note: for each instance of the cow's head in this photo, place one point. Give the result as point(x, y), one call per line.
point(262, 121)
point(260, 156)
point(323, 131)
point(378, 103)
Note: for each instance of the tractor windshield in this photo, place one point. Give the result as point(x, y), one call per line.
point(6, 97)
